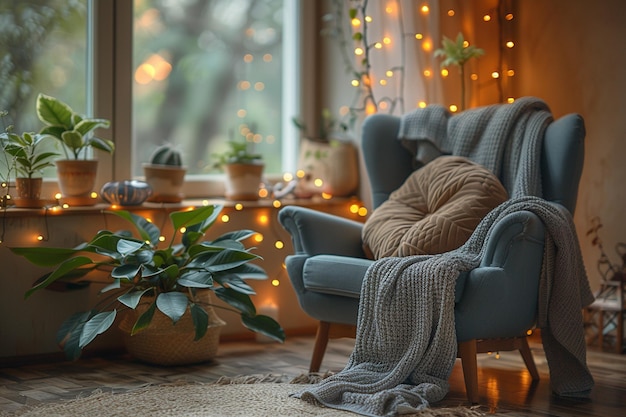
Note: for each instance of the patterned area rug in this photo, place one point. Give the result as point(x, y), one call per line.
point(245, 396)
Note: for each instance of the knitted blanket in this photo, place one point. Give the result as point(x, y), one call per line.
point(406, 342)
point(506, 139)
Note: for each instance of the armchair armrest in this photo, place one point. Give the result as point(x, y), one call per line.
point(314, 232)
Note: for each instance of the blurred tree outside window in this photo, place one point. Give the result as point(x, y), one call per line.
point(43, 49)
point(206, 72)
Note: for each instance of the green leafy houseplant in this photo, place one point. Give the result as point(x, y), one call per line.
point(238, 152)
point(26, 152)
point(168, 277)
point(457, 52)
point(73, 130)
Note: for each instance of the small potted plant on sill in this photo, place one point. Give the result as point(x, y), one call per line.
point(244, 171)
point(163, 292)
point(329, 155)
point(29, 158)
point(76, 173)
point(166, 175)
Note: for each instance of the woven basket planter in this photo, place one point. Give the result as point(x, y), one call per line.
point(164, 343)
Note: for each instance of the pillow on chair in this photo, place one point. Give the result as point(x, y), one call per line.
point(434, 211)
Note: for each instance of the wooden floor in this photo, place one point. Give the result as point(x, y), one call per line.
point(505, 385)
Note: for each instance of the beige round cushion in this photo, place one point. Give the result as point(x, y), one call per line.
point(434, 211)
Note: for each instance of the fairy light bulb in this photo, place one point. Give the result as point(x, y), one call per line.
point(444, 72)
point(327, 196)
point(161, 238)
point(486, 18)
point(287, 176)
point(275, 282)
point(510, 44)
point(421, 104)
point(300, 173)
point(355, 83)
point(425, 9)
point(277, 203)
point(279, 244)
point(453, 108)
point(263, 192)
point(238, 206)
point(419, 36)
point(40, 238)
point(362, 211)
point(495, 75)
point(354, 208)
point(387, 40)
point(225, 218)
point(358, 51)
point(182, 229)
point(318, 182)
point(258, 238)
point(58, 196)
point(451, 13)
point(263, 219)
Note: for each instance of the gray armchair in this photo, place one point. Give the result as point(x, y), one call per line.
point(496, 303)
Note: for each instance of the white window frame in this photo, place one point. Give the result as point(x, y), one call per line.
point(112, 86)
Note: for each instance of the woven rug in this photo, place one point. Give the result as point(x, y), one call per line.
point(245, 396)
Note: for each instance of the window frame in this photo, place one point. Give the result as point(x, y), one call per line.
point(112, 23)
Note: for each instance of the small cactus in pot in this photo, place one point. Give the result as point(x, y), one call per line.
point(165, 174)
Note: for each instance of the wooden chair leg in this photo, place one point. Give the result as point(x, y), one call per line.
point(321, 341)
point(527, 355)
point(467, 352)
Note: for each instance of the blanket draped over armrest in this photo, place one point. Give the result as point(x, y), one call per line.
point(406, 340)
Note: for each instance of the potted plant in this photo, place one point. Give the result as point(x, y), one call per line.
point(28, 159)
point(150, 281)
point(166, 175)
point(76, 173)
point(243, 168)
point(458, 52)
point(328, 156)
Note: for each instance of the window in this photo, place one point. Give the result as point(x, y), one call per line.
point(43, 48)
point(197, 73)
point(207, 72)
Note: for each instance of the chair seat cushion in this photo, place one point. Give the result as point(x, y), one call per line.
point(336, 275)
point(434, 211)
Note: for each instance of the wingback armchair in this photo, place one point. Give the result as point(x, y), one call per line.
point(495, 304)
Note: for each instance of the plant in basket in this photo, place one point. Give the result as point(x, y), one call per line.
point(165, 280)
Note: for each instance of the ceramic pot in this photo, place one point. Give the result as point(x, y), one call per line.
point(243, 181)
point(28, 192)
point(126, 193)
point(334, 162)
point(166, 182)
point(77, 179)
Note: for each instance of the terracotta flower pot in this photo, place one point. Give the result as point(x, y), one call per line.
point(77, 179)
point(166, 182)
point(28, 192)
point(243, 181)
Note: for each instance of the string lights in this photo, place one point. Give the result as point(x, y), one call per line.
point(364, 50)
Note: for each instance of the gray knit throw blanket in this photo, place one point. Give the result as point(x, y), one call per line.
point(405, 345)
point(506, 139)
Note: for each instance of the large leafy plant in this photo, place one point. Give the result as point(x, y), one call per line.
point(73, 130)
point(167, 277)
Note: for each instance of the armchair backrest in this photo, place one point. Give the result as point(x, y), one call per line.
point(389, 163)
